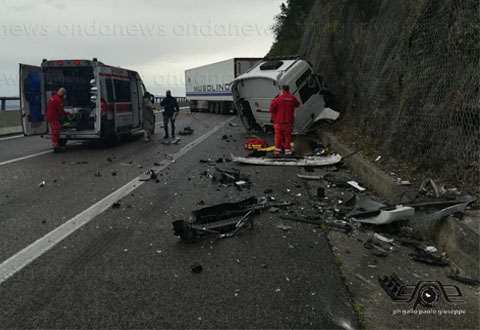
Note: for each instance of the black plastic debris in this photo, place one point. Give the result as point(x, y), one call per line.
point(274, 209)
point(225, 137)
point(231, 176)
point(187, 131)
point(98, 175)
point(430, 258)
point(114, 173)
point(116, 205)
point(340, 225)
point(222, 220)
point(365, 207)
point(458, 208)
point(455, 275)
point(110, 159)
point(149, 175)
point(196, 268)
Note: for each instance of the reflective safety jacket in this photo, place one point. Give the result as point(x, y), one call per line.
point(55, 108)
point(283, 108)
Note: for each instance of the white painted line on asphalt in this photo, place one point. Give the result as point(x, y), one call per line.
point(25, 157)
point(12, 137)
point(23, 258)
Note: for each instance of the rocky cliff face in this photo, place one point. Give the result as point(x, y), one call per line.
point(406, 73)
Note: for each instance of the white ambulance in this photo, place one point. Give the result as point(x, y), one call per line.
point(104, 102)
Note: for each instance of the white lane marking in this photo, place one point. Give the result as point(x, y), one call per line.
point(23, 258)
point(25, 157)
point(12, 137)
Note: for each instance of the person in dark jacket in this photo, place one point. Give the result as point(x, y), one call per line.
point(170, 114)
point(55, 112)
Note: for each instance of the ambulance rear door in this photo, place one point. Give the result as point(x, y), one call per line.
point(32, 101)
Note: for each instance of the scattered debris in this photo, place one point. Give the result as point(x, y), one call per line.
point(111, 159)
point(386, 217)
point(233, 125)
point(356, 185)
point(360, 277)
point(339, 224)
point(98, 175)
point(420, 255)
point(222, 220)
point(437, 191)
point(431, 249)
point(186, 131)
point(274, 210)
point(309, 177)
point(114, 173)
point(78, 163)
point(268, 191)
point(378, 159)
point(383, 238)
point(196, 268)
point(459, 208)
point(401, 182)
point(116, 205)
point(455, 275)
point(150, 175)
point(42, 184)
point(284, 228)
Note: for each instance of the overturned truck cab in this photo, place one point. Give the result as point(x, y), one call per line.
point(254, 91)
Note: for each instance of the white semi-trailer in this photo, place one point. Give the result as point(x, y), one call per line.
point(208, 86)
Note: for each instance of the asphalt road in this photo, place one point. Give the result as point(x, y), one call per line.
point(125, 269)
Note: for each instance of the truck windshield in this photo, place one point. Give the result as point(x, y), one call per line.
point(75, 79)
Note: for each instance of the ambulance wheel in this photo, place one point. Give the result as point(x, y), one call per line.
point(62, 143)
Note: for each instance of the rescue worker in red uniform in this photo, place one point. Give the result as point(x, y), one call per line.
point(283, 117)
point(55, 112)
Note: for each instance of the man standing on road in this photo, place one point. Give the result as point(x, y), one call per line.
point(148, 117)
point(55, 112)
point(170, 114)
point(283, 115)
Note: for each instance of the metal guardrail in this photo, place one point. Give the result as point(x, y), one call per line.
point(4, 100)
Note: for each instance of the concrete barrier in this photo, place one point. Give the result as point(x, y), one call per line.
point(10, 122)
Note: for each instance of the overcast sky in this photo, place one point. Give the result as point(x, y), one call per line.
point(157, 38)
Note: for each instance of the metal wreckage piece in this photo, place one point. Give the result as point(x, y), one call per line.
point(301, 162)
point(223, 220)
point(371, 212)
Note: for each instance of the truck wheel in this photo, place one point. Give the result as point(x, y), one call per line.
point(62, 142)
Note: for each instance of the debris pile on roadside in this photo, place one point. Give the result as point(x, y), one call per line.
point(344, 204)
